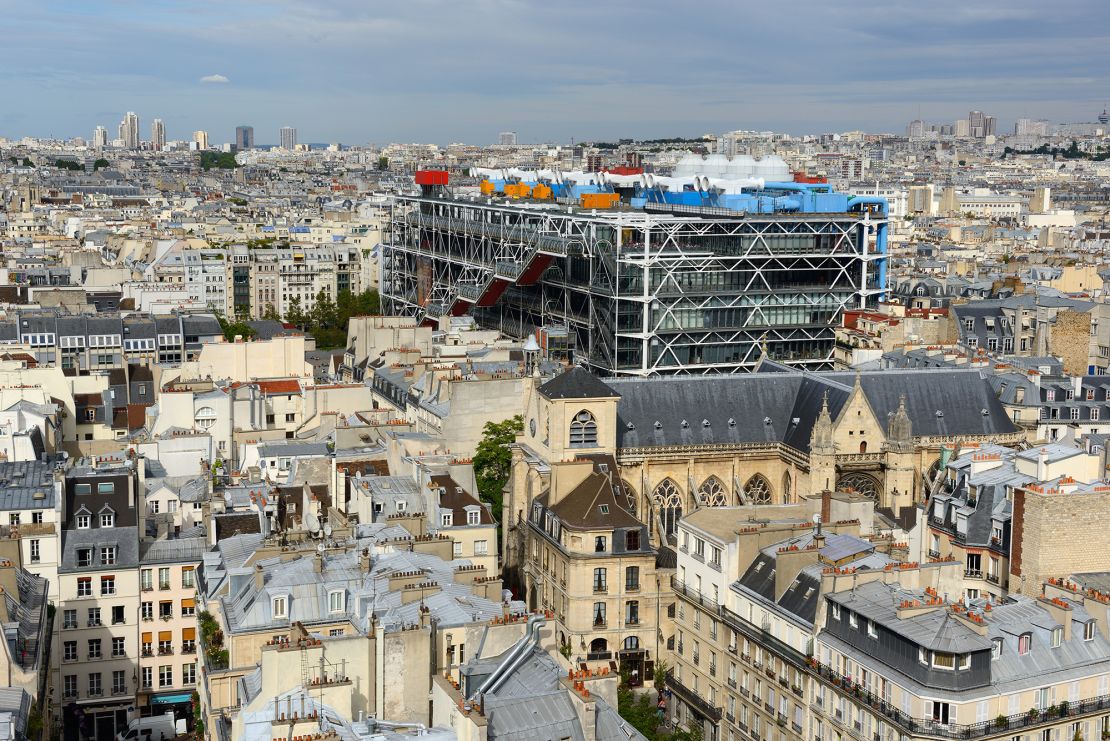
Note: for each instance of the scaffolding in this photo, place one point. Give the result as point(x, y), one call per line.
point(662, 290)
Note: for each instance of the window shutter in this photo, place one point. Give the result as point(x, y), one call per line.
point(189, 634)
point(165, 635)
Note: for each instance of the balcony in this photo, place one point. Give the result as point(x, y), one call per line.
point(94, 624)
point(693, 595)
point(601, 589)
point(147, 652)
point(934, 554)
point(973, 574)
point(189, 650)
point(993, 578)
point(693, 699)
point(165, 650)
point(731, 682)
point(745, 692)
point(599, 656)
point(1004, 725)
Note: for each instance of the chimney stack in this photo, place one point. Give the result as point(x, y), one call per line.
point(259, 577)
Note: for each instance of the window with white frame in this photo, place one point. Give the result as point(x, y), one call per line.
point(472, 517)
point(84, 522)
point(337, 601)
point(446, 519)
point(279, 608)
point(108, 519)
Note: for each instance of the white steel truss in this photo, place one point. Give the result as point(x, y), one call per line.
point(640, 292)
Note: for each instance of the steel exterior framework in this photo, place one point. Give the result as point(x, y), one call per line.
point(641, 292)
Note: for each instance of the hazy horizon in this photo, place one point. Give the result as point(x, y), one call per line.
point(357, 72)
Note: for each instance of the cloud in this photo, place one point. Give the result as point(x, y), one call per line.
point(214, 80)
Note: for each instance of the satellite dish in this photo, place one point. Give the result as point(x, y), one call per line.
point(312, 522)
point(320, 548)
point(327, 529)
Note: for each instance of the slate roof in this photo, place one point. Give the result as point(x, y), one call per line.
point(577, 383)
point(592, 506)
point(778, 406)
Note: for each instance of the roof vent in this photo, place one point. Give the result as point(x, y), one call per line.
point(658, 425)
point(705, 423)
point(685, 425)
point(731, 422)
point(939, 413)
point(630, 426)
point(984, 412)
point(767, 420)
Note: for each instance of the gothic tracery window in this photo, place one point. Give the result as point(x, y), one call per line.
point(859, 482)
point(668, 501)
point(712, 493)
point(757, 490)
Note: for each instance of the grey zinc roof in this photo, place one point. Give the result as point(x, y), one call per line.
point(124, 539)
point(532, 705)
point(173, 550)
point(26, 485)
point(248, 608)
point(936, 630)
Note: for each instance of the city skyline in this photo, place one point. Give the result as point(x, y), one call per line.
point(745, 69)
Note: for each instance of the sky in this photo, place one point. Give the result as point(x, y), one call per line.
point(370, 71)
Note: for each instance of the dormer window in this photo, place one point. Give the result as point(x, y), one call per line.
point(472, 517)
point(84, 522)
point(1057, 637)
point(107, 519)
point(337, 601)
point(1089, 630)
point(446, 519)
point(1025, 643)
point(835, 608)
point(599, 544)
point(280, 608)
point(400, 504)
point(996, 648)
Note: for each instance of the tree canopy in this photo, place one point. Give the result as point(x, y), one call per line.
point(218, 160)
point(327, 320)
point(493, 460)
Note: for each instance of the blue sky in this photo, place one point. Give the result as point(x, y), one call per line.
point(361, 71)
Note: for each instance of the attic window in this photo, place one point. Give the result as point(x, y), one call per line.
point(603, 509)
point(401, 505)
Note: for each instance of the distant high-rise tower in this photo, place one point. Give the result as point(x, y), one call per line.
point(915, 129)
point(201, 139)
point(507, 138)
point(961, 128)
point(100, 137)
point(157, 135)
point(1104, 117)
point(980, 125)
point(244, 137)
point(129, 130)
point(288, 137)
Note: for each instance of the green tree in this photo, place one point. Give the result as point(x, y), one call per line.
point(323, 314)
point(238, 327)
point(100, 163)
point(27, 162)
point(218, 160)
point(383, 163)
point(295, 315)
point(493, 459)
point(270, 314)
point(71, 165)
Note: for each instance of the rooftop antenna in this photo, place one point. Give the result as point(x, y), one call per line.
point(817, 523)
